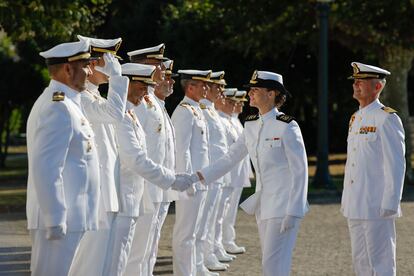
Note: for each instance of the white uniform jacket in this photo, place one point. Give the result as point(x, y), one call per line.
point(375, 166)
point(136, 166)
point(276, 147)
point(102, 113)
point(63, 181)
point(170, 152)
point(244, 169)
point(217, 140)
point(191, 135)
point(231, 136)
point(150, 115)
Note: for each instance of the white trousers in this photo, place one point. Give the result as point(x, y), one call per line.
point(160, 219)
point(205, 235)
point(142, 235)
point(223, 206)
point(373, 247)
point(91, 254)
point(120, 243)
point(187, 222)
point(53, 257)
point(229, 232)
point(277, 248)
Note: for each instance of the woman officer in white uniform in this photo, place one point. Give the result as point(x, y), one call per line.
point(274, 142)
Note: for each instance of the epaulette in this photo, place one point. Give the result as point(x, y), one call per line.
point(58, 96)
point(192, 109)
point(148, 102)
point(285, 118)
point(203, 106)
point(185, 104)
point(389, 109)
point(252, 117)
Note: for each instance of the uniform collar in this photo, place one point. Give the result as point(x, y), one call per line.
point(129, 105)
point(222, 114)
point(75, 96)
point(371, 106)
point(190, 101)
point(161, 102)
point(207, 103)
point(91, 87)
point(151, 90)
point(269, 115)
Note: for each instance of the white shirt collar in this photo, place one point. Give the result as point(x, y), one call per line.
point(190, 101)
point(369, 107)
point(129, 105)
point(91, 87)
point(271, 114)
point(151, 90)
point(207, 103)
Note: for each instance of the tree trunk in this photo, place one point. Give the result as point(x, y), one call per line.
point(398, 61)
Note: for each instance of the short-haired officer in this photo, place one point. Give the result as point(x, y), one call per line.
point(374, 175)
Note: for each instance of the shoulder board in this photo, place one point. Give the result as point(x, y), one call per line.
point(388, 109)
point(58, 96)
point(285, 118)
point(252, 117)
point(203, 106)
point(185, 104)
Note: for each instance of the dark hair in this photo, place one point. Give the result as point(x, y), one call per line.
point(280, 98)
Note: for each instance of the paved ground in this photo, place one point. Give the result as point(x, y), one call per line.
point(322, 249)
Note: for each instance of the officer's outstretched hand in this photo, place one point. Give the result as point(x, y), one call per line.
point(56, 232)
point(288, 223)
point(387, 213)
point(182, 182)
point(192, 190)
point(112, 66)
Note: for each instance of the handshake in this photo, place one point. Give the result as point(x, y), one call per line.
point(184, 181)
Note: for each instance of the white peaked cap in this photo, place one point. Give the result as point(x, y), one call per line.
point(67, 52)
point(229, 92)
point(139, 72)
point(101, 43)
point(365, 71)
point(156, 52)
point(203, 75)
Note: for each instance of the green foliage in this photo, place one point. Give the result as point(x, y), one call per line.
point(374, 25)
point(54, 20)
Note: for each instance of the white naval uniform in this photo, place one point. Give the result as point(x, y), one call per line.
point(135, 166)
point(151, 116)
point(63, 181)
point(217, 142)
point(227, 189)
point(275, 145)
point(192, 154)
point(374, 176)
point(102, 113)
point(168, 195)
point(240, 178)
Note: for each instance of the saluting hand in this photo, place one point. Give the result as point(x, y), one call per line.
point(112, 66)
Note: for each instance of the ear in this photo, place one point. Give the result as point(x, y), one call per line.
point(378, 85)
point(67, 68)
